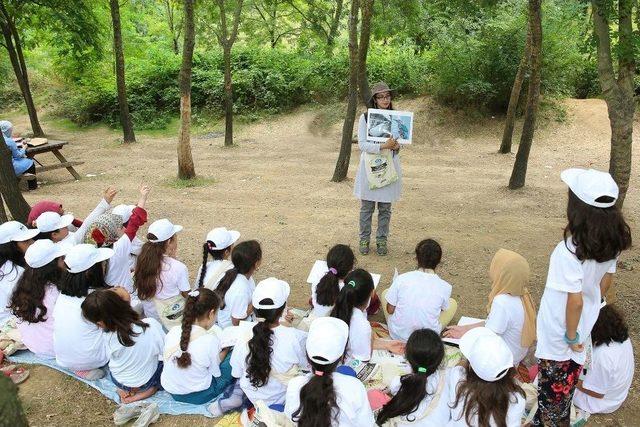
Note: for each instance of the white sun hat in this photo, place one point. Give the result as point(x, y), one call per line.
point(487, 353)
point(327, 340)
point(124, 211)
point(14, 231)
point(43, 251)
point(591, 184)
point(163, 229)
point(52, 221)
point(222, 238)
point(81, 257)
point(274, 289)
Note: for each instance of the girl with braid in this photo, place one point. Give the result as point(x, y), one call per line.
point(219, 244)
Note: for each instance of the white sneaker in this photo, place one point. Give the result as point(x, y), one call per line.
point(127, 412)
point(149, 415)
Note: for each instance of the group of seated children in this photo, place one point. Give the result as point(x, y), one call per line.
point(96, 296)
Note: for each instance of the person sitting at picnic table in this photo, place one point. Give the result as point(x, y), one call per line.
point(21, 163)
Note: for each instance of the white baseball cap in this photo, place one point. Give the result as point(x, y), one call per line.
point(43, 251)
point(82, 257)
point(163, 229)
point(274, 289)
point(52, 221)
point(487, 353)
point(327, 340)
point(124, 211)
point(590, 184)
point(223, 238)
point(16, 232)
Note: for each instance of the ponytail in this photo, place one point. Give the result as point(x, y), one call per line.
point(259, 358)
point(340, 260)
point(149, 267)
point(245, 257)
point(317, 397)
point(196, 306)
point(357, 289)
point(209, 248)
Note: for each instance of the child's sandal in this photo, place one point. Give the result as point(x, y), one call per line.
point(16, 374)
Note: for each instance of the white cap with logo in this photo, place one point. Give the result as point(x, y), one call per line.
point(327, 340)
point(590, 184)
point(487, 353)
point(43, 251)
point(81, 257)
point(222, 238)
point(124, 211)
point(273, 289)
point(52, 221)
point(14, 231)
point(163, 229)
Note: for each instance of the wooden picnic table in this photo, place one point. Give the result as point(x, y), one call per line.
point(54, 147)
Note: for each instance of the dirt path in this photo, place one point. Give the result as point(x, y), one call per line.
point(275, 187)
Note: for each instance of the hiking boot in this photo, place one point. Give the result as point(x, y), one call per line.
point(364, 247)
point(382, 248)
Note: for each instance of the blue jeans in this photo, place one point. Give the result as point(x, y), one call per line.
point(153, 382)
point(218, 385)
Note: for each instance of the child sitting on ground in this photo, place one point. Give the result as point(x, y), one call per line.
point(219, 244)
point(340, 260)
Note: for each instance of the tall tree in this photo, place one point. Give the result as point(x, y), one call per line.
point(519, 172)
point(125, 117)
point(186, 169)
point(273, 17)
point(363, 50)
point(618, 91)
point(9, 188)
point(323, 18)
point(227, 37)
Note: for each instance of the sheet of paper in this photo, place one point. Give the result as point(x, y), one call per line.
point(320, 268)
point(464, 320)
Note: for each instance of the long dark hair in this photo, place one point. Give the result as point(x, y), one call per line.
point(609, 327)
point(10, 252)
point(27, 298)
point(78, 284)
point(342, 259)
point(115, 314)
point(357, 289)
point(149, 267)
point(209, 248)
point(245, 256)
point(260, 345)
point(487, 400)
point(317, 397)
point(597, 233)
point(424, 353)
point(194, 309)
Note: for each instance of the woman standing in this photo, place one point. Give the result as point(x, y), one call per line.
point(365, 190)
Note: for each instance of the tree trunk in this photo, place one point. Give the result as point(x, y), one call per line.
point(363, 50)
point(334, 27)
point(125, 117)
point(186, 169)
point(9, 186)
point(514, 99)
point(228, 98)
point(3, 212)
point(342, 165)
point(11, 411)
point(519, 172)
point(172, 27)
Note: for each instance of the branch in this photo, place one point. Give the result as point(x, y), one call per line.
point(605, 62)
point(626, 58)
point(236, 22)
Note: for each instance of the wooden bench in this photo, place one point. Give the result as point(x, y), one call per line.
point(53, 147)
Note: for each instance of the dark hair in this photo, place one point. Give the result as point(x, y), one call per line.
point(597, 233)
point(259, 358)
point(208, 248)
point(317, 397)
point(28, 295)
point(245, 256)
point(356, 291)
point(424, 351)
point(149, 267)
point(78, 284)
point(428, 254)
point(486, 400)
point(194, 309)
point(10, 252)
point(44, 235)
point(115, 313)
point(374, 104)
point(609, 327)
point(341, 258)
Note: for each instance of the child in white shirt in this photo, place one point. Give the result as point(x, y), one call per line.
point(420, 299)
point(219, 244)
point(340, 260)
point(134, 346)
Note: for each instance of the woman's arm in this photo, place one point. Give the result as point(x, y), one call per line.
point(573, 313)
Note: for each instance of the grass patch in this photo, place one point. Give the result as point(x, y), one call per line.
point(198, 181)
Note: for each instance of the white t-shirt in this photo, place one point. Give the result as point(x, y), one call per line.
point(78, 343)
point(435, 402)
point(205, 362)
point(134, 366)
point(419, 298)
point(318, 309)
point(506, 319)
point(353, 408)
point(10, 274)
point(173, 279)
point(118, 267)
point(568, 274)
point(611, 374)
point(288, 350)
point(457, 418)
point(359, 345)
point(212, 267)
point(236, 301)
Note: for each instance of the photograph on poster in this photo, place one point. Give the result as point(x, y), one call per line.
point(385, 124)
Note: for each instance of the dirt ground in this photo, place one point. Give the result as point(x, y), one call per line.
point(274, 186)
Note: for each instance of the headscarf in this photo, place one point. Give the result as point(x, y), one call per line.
point(42, 207)
point(509, 273)
point(5, 127)
point(104, 231)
